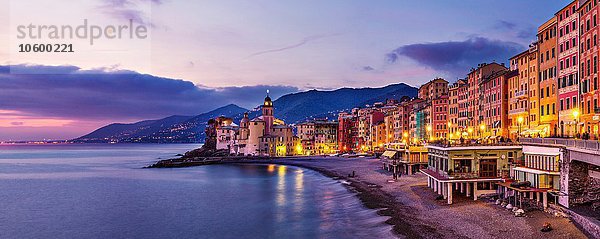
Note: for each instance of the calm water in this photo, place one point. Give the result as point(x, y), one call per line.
point(100, 191)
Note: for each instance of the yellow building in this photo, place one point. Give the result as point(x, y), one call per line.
point(548, 92)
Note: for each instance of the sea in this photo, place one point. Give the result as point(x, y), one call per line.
point(103, 191)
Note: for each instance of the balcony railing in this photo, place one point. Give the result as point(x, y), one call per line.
point(467, 143)
point(576, 143)
point(520, 93)
point(468, 175)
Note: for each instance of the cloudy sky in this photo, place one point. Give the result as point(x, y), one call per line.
point(200, 55)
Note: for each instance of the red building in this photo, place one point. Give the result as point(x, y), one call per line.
point(347, 132)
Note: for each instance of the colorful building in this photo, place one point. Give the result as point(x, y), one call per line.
point(568, 68)
point(472, 170)
point(589, 115)
point(494, 103)
point(518, 95)
point(547, 61)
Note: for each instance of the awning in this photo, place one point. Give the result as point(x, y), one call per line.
point(535, 171)
point(389, 153)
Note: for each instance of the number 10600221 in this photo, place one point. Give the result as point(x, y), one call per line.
point(67, 48)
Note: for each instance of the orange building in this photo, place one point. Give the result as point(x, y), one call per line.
point(518, 86)
point(547, 78)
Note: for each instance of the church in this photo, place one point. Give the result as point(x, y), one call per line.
point(262, 136)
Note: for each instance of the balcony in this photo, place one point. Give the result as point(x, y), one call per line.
point(516, 111)
point(521, 93)
point(465, 175)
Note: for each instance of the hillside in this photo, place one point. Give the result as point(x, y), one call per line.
point(173, 129)
point(291, 108)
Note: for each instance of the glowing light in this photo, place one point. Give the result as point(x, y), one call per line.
point(482, 127)
point(576, 113)
point(429, 128)
point(470, 130)
point(449, 124)
point(271, 168)
point(520, 119)
point(281, 150)
point(299, 149)
point(405, 135)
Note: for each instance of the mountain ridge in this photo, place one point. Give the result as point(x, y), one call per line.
point(292, 108)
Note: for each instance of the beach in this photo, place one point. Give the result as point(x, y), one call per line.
point(414, 212)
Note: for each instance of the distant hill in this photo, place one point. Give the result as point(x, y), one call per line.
point(296, 107)
point(291, 108)
point(173, 129)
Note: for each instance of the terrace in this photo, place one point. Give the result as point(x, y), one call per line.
point(576, 143)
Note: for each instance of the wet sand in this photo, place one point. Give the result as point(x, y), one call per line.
point(414, 212)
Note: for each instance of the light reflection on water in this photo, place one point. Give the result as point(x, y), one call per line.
point(102, 192)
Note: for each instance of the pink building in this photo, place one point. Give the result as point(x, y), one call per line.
point(568, 66)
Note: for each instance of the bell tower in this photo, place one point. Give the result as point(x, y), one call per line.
point(267, 114)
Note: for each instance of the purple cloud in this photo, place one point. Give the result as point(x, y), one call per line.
point(128, 10)
point(101, 95)
point(456, 57)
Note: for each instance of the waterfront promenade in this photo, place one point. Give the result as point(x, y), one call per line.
point(415, 212)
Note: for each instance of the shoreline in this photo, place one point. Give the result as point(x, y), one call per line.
point(414, 211)
point(371, 196)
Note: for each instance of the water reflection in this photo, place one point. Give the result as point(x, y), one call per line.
point(271, 168)
point(281, 197)
point(299, 197)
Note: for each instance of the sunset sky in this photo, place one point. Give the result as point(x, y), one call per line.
point(201, 55)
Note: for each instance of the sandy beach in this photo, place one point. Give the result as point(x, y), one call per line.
point(415, 213)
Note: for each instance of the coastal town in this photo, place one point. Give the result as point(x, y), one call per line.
point(526, 133)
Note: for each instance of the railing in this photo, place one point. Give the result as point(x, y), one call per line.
point(472, 143)
point(577, 143)
point(520, 93)
point(466, 175)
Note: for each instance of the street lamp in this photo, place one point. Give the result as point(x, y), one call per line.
point(470, 131)
point(481, 129)
point(429, 131)
point(576, 116)
point(520, 121)
point(449, 131)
